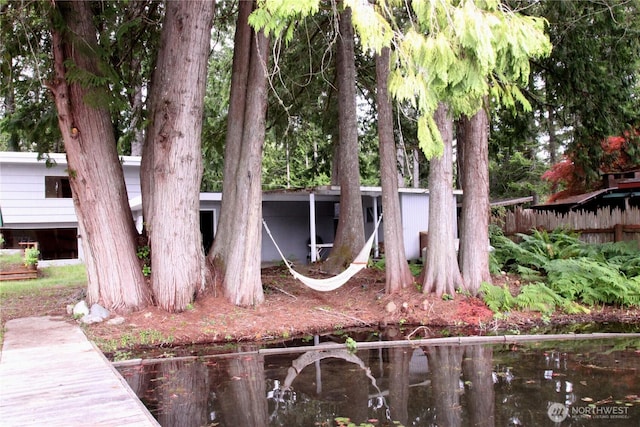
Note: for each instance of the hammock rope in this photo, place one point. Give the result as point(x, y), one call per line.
point(331, 283)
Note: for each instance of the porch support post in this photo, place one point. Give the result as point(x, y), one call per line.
point(376, 249)
point(312, 226)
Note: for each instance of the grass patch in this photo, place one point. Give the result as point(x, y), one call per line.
point(43, 296)
point(66, 276)
point(9, 259)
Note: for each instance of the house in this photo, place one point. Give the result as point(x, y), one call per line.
point(303, 221)
point(610, 214)
point(36, 203)
point(36, 206)
point(619, 190)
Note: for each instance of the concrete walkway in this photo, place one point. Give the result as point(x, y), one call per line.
point(50, 374)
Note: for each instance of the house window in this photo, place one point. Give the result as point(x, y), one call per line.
point(57, 187)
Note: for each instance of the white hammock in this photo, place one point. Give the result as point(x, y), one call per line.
point(331, 283)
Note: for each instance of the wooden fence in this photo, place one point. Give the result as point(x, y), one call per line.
point(605, 225)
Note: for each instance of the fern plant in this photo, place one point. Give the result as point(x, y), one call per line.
point(497, 298)
point(592, 282)
point(538, 297)
point(566, 272)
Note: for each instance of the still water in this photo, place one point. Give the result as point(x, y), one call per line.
point(529, 383)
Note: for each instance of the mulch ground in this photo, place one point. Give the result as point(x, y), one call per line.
point(292, 310)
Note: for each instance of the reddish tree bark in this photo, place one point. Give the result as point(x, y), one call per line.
point(474, 236)
point(235, 258)
point(397, 271)
point(349, 238)
point(441, 273)
point(172, 164)
point(107, 230)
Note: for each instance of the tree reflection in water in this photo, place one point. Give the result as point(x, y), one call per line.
point(456, 385)
point(242, 395)
point(446, 366)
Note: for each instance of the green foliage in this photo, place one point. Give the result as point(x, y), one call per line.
point(415, 268)
point(573, 273)
point(514, 166)
point(278, 17)
point(538, 297)
point(346, 422)
point(592, 282)
point(448, 51)
point(377, 264)
point(31, 256)
point(535, 250)
point(497, 298)
point(144, 254)
point(591, 77)
point(67, 276)
point(28, 121)
point(352, 345)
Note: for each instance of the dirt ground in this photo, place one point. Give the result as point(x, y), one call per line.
point(292, 310)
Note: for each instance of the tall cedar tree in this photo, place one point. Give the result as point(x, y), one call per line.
point(107, 230)
point(349, 238)
point(397, 271)
point(441, 274)
point(236, 254)
point(473, 134)
point(172, 164)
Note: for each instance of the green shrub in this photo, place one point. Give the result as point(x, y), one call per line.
point(592, 282)
point(498, 299)
point(538, 297)
point(567, 273)
point(31, 256)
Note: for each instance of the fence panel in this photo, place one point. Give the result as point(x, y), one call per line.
point(604, 225)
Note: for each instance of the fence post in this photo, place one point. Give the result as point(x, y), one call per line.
point(618, 232)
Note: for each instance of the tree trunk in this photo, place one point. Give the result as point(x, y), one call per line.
point(474, 236)
point(182, 393)
point(235, 126)
point(399, 365)
point(172, 152)
point(477, 370)
point(95, 173)
point(349, 238)
point(403, 166)
point(416, 168)
point(553, 142)
point(397, 271)
point(137, 144)
point(461, 137)
point(9, 98)
point(235, 258)
point(445, 364)
point(243, 395)
point(441, 273)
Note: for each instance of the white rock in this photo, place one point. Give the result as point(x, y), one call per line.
point(116, 321)
point(391, 307)
point(80, 309)
point(88, 319)
point(99, 311)
point(97, 314)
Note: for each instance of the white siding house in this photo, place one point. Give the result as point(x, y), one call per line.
point(295, 216)
point(36, 205)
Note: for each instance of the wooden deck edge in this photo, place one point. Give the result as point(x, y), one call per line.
point(126, 386)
